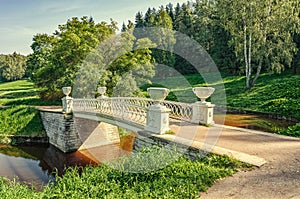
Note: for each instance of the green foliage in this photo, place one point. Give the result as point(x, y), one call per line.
point(123, 132)
point(42, 47)
point(182, 178)
point(12, 67)
point(20, 120)
point(61, 54)
point(14, 189)
point(292, 131)
point(261, 33)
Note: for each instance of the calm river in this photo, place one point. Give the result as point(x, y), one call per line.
point(36, 164)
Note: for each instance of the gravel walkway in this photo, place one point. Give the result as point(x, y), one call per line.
point(278, 178)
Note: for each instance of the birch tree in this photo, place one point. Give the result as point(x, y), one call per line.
point(262, 33)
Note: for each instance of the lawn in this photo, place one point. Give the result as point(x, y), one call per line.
point(21, 92)
point(18, 116)
point(21, 120)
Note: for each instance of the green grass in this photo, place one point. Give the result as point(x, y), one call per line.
point(19, 117)
point(292, 131)
point(182, 178)
point(21, 92)
point(278, 94)
point(20, 120)
point(273, 93)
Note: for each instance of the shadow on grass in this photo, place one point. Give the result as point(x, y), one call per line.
point(19, 94)
point(21, 120)
point(29, 102)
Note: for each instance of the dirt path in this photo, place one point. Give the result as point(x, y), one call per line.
point(278, 178)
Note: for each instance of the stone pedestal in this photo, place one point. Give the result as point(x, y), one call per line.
point(67, 104)
point(203, 113)
point(157, 119)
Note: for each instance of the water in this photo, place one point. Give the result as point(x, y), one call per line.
point(36, 164)
point(253, 122)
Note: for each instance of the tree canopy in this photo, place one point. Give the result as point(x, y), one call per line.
point(242, 37)
point(12, 67)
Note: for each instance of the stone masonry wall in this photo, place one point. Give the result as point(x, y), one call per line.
point(145, 139)
point(61, 130)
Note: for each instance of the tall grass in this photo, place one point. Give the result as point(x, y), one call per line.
point(182, 178)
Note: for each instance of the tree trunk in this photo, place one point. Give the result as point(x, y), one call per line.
point(248, 69)
point(257, 72)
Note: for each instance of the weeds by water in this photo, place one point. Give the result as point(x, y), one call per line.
point(181, 178)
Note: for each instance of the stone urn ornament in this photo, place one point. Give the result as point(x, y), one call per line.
point(158, 94)
point(67, 91)
point(102, 91)
point(203, 93)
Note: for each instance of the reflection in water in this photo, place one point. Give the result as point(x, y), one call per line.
point(35, 164)
point(110, 152)
point(253, 122)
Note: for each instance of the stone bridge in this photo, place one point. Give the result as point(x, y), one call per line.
point(81, 117)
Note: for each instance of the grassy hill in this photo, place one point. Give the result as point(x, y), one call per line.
point(273, 93)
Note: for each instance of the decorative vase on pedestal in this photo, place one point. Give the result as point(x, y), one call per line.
point(102, 91)
point(157, 114)
point(203, 93)
point(203, 111)
point(67, 101)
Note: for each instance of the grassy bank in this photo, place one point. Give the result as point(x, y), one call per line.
point(18, 116)
point(182, 178)
point(20, 121)
point(273, 93)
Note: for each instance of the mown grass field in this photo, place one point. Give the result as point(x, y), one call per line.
point(21, 92)
point(18, 116)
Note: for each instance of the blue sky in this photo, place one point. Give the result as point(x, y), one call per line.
point(21, 19)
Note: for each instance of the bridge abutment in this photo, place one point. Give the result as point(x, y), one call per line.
point(69, 133)
point(61, 130)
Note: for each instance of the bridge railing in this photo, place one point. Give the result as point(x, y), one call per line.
point(129, 108)
point(153, 113)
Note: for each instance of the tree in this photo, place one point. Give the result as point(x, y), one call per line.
point(64, 52)
point(42, 47)
point(261, 33)
point(120, 63)
point(12, 67)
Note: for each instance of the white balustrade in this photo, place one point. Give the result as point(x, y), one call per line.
point(134, 110)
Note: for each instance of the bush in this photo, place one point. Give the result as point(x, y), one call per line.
point(292, 131)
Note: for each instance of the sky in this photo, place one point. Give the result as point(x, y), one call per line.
point(20, 20)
